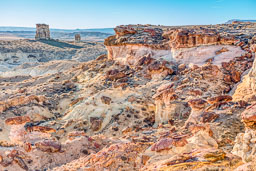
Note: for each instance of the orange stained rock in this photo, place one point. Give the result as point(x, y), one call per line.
point(27, 147)
point(76, 101)
point(16, 153)
point(115, 74)
point(168, 143)
point(249, 115)
point(221, 98)
point(253, 48)
point(208, 117)
point(48, 146)
point(184, 38)
point(4, 105)
point(17, 120)
point(195, 92)
point(120, 31)
point(20, 162)
point(197, 104)
point(161, 93)
point(75, 134)
point(42, 129)
point(196, 128)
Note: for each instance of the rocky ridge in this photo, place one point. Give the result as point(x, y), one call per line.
point(162, 99)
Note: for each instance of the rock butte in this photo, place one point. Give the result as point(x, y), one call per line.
point(162, 98)
point(77, 38)
point(42, 32)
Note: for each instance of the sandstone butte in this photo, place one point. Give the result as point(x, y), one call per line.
point(162, 98)
point(42, 32)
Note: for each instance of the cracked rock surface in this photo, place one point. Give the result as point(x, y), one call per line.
point(163, 98)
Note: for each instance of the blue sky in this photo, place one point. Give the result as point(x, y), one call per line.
point(110, 13)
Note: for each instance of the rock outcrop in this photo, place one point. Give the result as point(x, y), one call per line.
point(160, 100)
point(77, 38)
point(42, 32)
point(187, 38)
point(161, 37)
point(245, 142)
point(196, 46)
point(247, 89)
point(184, 45)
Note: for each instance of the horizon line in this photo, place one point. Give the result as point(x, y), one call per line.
point(127, 24)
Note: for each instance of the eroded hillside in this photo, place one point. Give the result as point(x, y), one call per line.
point(18, 52)
point(163, 98)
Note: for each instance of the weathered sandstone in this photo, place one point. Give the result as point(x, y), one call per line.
point(161, 100)
point(42, 32)
point(172, 44)
point(77, 38)
point(245, 142)
point(247, 89)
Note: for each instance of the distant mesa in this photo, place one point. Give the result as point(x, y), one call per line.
point(42, 32)
point(233, 21)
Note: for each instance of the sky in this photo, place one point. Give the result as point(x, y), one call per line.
point(73, 14)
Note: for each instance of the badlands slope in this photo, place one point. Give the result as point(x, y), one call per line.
point(163, 98)
point(18, 52)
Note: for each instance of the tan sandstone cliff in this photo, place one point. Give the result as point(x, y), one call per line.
point(247, 89)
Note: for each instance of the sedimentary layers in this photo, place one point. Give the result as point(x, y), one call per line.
point(172, 44)
point(160, 100)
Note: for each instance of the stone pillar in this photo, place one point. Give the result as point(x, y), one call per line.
point(42, 32)
point(77, 38)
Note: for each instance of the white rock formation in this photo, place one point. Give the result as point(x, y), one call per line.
point(195, 55)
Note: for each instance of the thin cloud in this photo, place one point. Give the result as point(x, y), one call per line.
point(217, 4)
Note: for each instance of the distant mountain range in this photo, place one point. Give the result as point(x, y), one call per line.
point(230, 21)
point(99, 34)
point(102, 30)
